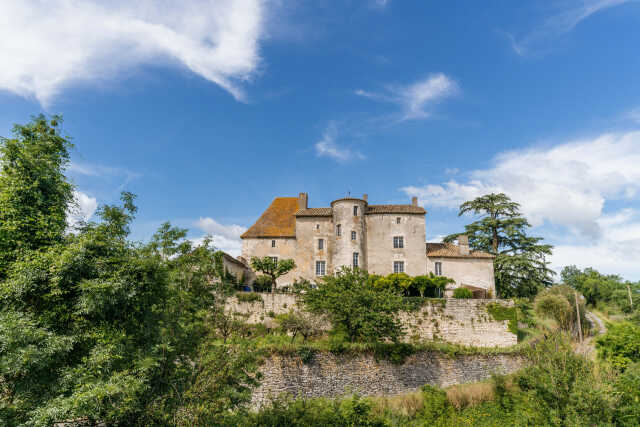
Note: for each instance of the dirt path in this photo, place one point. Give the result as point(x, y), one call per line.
point(588, 347)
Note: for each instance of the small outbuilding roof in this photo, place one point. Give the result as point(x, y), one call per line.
point(449, 250)
point(277, 221)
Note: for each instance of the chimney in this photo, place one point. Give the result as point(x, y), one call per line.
point(303, 201)
point(414, 201)
point(463, 244)
point(364, 197)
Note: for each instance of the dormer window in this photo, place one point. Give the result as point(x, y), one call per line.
point(355, 211)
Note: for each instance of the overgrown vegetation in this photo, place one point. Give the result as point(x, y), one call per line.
point(500, 312)
point(462, 293)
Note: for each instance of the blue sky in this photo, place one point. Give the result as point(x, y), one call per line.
point(210, 109)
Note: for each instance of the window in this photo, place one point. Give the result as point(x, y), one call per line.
point(438, 269)
point(398, 242)
point(355, 260)
point(398, 219)
point(320, 244)
point(355, 211)
point(274, 259)
point(317, 226)
point(273, 243)
point(398, 267)
point(338, 230)
point(320, 268)
point(353, 235)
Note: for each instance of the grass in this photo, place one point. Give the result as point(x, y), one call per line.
point(396, 352)
point(248, 297)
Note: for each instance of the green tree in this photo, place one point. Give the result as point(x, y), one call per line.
point(435, 284)
point(273, 268)
point(600, 288)
point(354, 307)
point(35, 195)
point(520, 265)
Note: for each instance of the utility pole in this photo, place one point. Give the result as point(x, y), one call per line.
point(578, 313)
point(629, 292)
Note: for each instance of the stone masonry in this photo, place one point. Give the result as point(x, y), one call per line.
point(329, 375)
point(459, 321)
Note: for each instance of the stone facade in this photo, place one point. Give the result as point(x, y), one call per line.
point(459, 321)
point(379, 238)
point(329, 375)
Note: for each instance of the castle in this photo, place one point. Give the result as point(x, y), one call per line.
point(381, 239)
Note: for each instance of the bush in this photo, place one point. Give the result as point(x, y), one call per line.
point(355, 308)
point(462, 293)
point(352, 411)
point(300, 323)
point(262, 284)
point(620, 345)
point(248, 297)
point(558, 303)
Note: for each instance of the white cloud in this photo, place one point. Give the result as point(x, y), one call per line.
point(47, 46)
point(327, 146)
point(564, 186)
point(85, 207)
point(225, 237)
point(560, 23)
point(416, 99)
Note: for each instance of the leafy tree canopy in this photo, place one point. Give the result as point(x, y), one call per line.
point(354, 307)
point(35, 196)
point(272, 268)
point(520, 265)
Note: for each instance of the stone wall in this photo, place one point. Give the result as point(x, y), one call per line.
point(458, 321)
point(329, 375)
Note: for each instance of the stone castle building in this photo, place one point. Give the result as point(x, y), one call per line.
point(382, 239)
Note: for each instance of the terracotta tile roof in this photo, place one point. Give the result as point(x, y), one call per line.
point(392, 209)
point(277, 221)
point(314, 212)
point(449, 250)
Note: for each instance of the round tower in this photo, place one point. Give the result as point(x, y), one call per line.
point(350, 233)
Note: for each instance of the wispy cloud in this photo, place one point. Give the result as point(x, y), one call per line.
point(633, 115)
point(416, 99)
point(559, 24)
point(566, 187)
point(327, 146)
point(225, 237)
point(47, 46)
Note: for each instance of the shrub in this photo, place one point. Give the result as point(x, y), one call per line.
point(462, 293)
point(620, 345)
point(355, 308)
point(248, 297)
point(307, 354)
point(558, 303)
point(300, 323)
point(263, 284)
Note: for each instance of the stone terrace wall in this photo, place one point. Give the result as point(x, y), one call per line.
point(458, 321)
point(329, 375)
